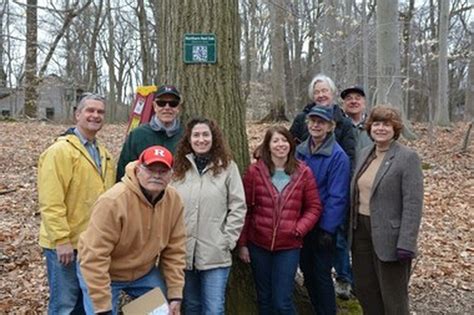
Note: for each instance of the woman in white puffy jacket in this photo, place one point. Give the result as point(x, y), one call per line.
point(209, 182)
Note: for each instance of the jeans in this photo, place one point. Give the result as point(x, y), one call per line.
point(134, 288)
point(342, 263)
point(204, 291)
point(274, 276)
point(316, 264)
point(65, 296)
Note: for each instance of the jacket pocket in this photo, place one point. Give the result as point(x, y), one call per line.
point(395, 224)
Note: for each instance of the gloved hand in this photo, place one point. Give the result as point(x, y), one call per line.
point(404, 255)
point(325, 239)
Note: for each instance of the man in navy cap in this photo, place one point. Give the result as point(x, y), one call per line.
point(353, 104)
point(164, 128)
point(331, 168)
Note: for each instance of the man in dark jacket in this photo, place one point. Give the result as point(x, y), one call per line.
point(164, 128)
point(322, 91)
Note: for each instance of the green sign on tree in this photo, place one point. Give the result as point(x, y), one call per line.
point(199, 48)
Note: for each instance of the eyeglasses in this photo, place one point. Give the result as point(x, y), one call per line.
point(171, 103)
point(161, 171)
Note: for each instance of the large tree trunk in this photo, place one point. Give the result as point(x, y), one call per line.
point(31, 80)
point(442, 107)
point(388, 60)
point(277, 42)
point(211, 90)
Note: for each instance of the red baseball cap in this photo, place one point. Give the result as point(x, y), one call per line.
point(156, 154)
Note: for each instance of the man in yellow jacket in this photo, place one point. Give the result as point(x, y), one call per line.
point(72, 173)
point(135, 226)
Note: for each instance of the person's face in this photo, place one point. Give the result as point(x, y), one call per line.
point(153, 178)
point(201, 139)
point(382, 132)
point(354, 104)
point(318, 128)
point(279, 146)
point(166, 108)
point(90, 118)
point(322, 94)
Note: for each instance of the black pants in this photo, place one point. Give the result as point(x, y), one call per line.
point(381, 287)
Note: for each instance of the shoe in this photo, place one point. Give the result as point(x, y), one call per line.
point(343, 290)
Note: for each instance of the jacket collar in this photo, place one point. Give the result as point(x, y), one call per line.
point(131, 181)
point(325, 149)
point(386, 164)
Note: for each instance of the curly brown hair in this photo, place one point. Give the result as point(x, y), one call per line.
point(388, 114)
point(220, 155)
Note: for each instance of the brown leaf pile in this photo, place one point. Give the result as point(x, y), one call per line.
point(442, 279)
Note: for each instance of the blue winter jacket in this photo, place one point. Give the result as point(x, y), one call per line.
point(331, 167)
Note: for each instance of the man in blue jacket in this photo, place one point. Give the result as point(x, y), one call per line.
point(332, 170)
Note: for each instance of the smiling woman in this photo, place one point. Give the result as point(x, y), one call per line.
point(387, 201)
point(209, 183)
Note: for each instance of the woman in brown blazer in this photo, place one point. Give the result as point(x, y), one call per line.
point(387, 201)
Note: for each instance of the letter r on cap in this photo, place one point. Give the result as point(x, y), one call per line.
point(160, 152)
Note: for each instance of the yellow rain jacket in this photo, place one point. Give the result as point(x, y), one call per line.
point(68, 185)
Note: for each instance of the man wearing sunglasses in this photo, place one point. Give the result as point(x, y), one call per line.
point(164, 128)
point(136, 226)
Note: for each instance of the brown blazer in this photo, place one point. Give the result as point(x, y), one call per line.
point(396, 201)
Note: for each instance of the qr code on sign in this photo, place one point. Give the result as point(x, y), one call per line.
point(199, 53)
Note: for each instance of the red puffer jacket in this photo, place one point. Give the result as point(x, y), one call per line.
point(278, 221)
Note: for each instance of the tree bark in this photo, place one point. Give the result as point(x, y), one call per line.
point(442, 106)
point(112, 98)
point(31, 80)
point(211, 90)
point(388, 60)
point(365, 53)
point(328, 56)
point(3, 75)
point(144, 42)
point(277, 42)
point(91, 72)
point(406, 53)
point(469, 105)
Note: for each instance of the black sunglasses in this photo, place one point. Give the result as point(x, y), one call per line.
point(172, 103)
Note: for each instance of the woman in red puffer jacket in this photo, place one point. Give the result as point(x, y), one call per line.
point(283, 206)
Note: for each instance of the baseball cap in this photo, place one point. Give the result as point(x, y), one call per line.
point(323, 112)
point(167, 89)
point(353, 89)
point(156, 154)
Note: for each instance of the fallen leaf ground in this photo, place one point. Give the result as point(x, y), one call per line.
point(442, 281)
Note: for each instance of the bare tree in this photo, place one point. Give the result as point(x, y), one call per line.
point(144, 42)
point(277, 41)
point(469, 104)
point(3, 74)
point(388, 59)
point(442, 107)
point(31, 80)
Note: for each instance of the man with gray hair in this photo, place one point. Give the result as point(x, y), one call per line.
point(72, 173)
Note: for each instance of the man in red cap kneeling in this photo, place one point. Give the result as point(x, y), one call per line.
point(135, 226)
